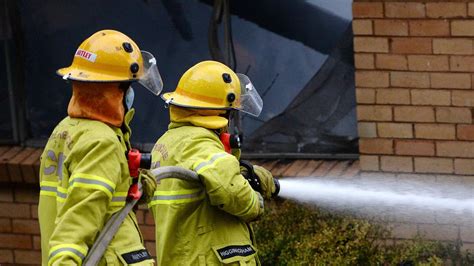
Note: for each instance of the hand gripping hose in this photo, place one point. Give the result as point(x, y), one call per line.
point(113, 224)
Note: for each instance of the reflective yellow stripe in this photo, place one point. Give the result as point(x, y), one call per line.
point(121, 194)
point(93, 177)
point(49, 183)
point(117, 204)
point(210, 161)
point(62, 200)
point(249, 207)
point(177, 196)
point(51, 189)
point(92, 181)
point(176, 201)
point(119, 199)
point(48, 193)
point(176, 192)
point(61, 194)
point(48, 188)
point(78, 253)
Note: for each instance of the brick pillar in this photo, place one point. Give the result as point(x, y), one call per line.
point(414, 64)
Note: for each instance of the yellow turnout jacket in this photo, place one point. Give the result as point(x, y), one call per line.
point(206, 222)
point(84, 179)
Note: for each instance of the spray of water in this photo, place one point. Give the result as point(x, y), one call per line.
point(404, 200)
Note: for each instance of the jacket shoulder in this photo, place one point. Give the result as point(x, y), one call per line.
point(86, 131)
point(197, 133)
point(93, 127)
point(186, 144)
point(192, 136)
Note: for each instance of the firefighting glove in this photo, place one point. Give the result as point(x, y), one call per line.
point(148, 185)
point(267, 184)
point(261, 202)
point(246, 169)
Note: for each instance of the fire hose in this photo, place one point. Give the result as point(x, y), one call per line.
point(138, 160)
point(135, 192)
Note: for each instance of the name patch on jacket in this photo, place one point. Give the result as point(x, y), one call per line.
point(136, 256)
point(232, 251)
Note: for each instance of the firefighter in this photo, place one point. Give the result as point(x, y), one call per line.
point(206, 222)
point(84, 176)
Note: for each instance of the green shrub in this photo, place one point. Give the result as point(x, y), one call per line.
point(294, 234)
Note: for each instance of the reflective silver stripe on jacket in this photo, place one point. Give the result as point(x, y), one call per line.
point(119, 199)
point(91, 182)
point(61, 195)
point(73, 250)
point(210, 161)
point(48, 188)
point(176, 197)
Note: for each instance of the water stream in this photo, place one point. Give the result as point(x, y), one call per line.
point(400, 200)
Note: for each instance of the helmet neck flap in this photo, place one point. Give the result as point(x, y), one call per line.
point(209, 119)
point(97, 101)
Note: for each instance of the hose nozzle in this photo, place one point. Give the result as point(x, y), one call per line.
point(277, 188)
point(137, 160)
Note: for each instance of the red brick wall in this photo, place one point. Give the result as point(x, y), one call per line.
point(19, 230)
point(414, 64)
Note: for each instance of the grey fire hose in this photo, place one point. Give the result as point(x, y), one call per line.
point(174, 172)
point(113, 224)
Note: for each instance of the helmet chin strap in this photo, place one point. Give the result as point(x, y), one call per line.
point(231, 137)
point(128, 96)
point(234, 122)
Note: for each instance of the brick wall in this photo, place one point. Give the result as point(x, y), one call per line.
point(414, 64)
point(19, 231)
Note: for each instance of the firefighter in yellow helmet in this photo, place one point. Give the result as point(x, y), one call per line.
point(84, 175)
point(207, 222)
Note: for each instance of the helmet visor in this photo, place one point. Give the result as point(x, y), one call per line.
point(250, 100)
point(151, 78)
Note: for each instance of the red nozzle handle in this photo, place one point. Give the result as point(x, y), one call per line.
point(134, 157)
point(134, 192)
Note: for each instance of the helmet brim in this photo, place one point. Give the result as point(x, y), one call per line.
point(71, 73)
point(177, 99)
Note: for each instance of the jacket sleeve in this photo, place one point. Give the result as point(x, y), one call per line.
point(94, 168)
point(226, 188)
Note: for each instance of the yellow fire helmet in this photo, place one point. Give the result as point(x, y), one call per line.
point(213, 85)
point(111, 56)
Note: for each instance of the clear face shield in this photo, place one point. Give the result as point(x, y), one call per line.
point(151, 78)
point(250, 100)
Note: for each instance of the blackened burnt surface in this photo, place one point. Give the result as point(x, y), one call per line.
point(316, 120)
